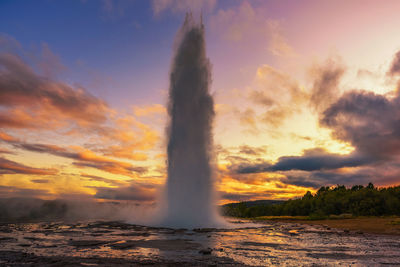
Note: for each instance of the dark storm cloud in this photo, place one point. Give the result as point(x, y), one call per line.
point(303, 181)
point(245, 164)
point(252, 168)
point(382, 172)
point(309, 161)
point(12, 167)
point(325, 87)
point(323, 178)
point(243, 154)
point(370, 122)
point(395, 67)
point(317, 179)
point(22, 88)
point(325, 161)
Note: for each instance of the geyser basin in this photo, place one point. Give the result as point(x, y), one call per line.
point(190, 194)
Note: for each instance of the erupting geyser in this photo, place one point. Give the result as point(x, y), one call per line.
point(189, 190)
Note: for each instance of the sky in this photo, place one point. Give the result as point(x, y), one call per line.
point(306, 95)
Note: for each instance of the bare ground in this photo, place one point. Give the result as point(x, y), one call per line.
point(372, 225)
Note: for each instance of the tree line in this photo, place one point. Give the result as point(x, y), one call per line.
point(338, 200)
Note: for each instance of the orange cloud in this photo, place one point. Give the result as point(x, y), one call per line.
point(102, 179)
point(12, 167)
point(149, 110)
point(29, 99)
point(83, 157)
point(7, 138)
point(131, 136)
point(88, 158)
point(255, 187)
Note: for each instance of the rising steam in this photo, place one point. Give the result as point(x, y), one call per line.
point(189, 190)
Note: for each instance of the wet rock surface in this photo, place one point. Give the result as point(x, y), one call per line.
point(117, 243)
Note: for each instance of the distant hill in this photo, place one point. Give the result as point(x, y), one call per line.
point(249, 204)
point(238, 209)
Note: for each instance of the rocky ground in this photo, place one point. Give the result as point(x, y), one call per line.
point(116, 243)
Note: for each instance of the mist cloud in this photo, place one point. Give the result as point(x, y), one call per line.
point(325, 89)
point(176, 6)
point(134, 192)
point(15, 192)
point(395, 67)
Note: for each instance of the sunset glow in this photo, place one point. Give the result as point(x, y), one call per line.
point(306, 95)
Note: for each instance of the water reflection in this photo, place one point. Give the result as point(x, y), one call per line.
point(271, 243)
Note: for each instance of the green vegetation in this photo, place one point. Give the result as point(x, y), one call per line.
point(336, 202)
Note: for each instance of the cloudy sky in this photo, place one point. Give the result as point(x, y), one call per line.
point(306, 95)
